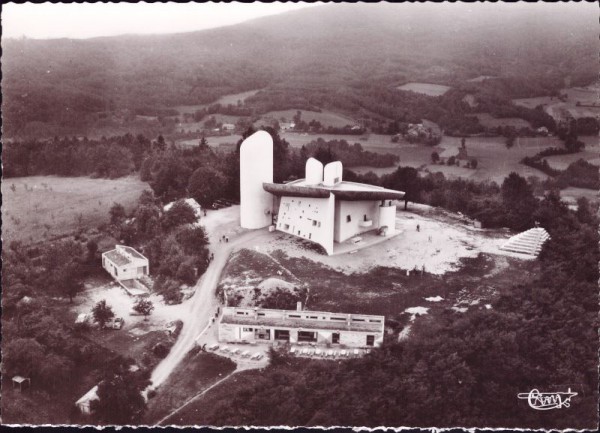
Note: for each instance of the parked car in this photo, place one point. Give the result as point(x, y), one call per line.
point(116, 323)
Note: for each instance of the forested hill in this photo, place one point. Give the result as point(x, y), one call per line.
point(335, 46)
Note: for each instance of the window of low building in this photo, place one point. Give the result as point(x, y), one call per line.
point(348, 218)
point(370, 340)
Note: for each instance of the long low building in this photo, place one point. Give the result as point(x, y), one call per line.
point(247, 325)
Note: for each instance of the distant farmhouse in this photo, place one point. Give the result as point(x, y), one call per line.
point(249, 325)
point(127, 266)
point(228, 127)
point(321, 208)
point(285, 126)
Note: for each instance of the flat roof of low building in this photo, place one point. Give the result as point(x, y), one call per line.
point(284, 322)
point(132, 251)
point(117, 258)
point(305, 319)
point(350, 191)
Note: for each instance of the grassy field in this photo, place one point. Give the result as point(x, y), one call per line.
point(425, 88)
point(44, 207)
point(327, 118)
point(196, 372)
point(587, 97)
point(223, 100)
point(495, 161)
point(217, 141)
point(490, 121)
point(481, 78)
point(571, 194)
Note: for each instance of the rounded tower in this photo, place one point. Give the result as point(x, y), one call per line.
point(256, 167)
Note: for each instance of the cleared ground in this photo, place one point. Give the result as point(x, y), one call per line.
point(44, 207)
point(425, 88)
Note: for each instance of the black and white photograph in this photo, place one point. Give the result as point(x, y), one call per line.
point(301, 215)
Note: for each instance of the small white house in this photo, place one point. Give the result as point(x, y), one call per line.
point(84, 403)
point(125, 263)
point(285, 126)
point(228, 127)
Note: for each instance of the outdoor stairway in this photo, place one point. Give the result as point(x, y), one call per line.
point(529, 242)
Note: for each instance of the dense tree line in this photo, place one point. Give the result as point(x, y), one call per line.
point(40, 341)
point(351, 155)
point(171, 240)
point(461, 369)
point(108, 157)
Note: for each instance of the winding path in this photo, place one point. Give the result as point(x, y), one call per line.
point(201, 307)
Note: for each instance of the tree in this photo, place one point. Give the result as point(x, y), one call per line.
point(325, 155)
point(144, 307)
point(102, 313)
point(584, 212)
point(160, 143)
point(473, 163)
point(404, 179)
point(117, 213)
point(23, 356)
point(510, 141)
point(178, 214)
point(519, 202)
point(186, 274)
point(206, 185)
point(463, 142)
point(120, 400)
point(435, 157)
point(192, 239)
point(451, 160)
point(92, 248)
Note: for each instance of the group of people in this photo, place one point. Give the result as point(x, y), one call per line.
point(224, 239)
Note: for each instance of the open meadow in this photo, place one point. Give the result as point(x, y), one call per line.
point(580, 102)
point(425, 88)
point(495, 161)
point(232, 99)
point(489, 121)
point(39, 208)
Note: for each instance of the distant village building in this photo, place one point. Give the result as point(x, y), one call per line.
point(228, 127)
point(321, 208)
point(285, 126)
point(249, 325)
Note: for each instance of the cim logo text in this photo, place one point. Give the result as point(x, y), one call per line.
point(547, 400)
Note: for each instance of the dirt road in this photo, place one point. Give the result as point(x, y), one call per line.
point(201, 308)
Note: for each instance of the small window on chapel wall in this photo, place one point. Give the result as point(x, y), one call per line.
point(348, 218)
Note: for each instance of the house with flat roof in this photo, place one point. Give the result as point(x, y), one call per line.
point(247, 325)
point(125, 263)
point(322, 207)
